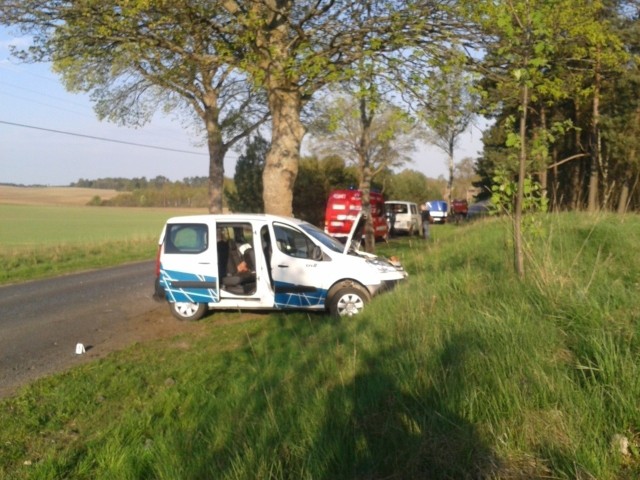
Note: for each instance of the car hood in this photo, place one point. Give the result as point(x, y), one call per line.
point(355, 234)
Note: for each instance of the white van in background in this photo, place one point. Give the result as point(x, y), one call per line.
point(403, 217)
point(254, 261)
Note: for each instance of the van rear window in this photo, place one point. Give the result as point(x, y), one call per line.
point(186, 238)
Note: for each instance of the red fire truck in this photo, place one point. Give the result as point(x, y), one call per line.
point(342, 208)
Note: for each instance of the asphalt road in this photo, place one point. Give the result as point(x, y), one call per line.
point(41, 322)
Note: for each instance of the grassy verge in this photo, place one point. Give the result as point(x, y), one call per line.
point(462, 372)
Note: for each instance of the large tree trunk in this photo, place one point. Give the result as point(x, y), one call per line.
point(217, 152)
point(281, 164)
point(366, 175)
point(365, 189)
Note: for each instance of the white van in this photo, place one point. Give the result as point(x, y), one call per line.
point(256, 261)
point(405, 217)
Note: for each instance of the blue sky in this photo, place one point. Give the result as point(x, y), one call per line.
point(33, 102)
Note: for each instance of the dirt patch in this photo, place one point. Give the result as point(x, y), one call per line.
point(11, 195)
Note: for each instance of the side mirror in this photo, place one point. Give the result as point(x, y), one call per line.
point(316, 253)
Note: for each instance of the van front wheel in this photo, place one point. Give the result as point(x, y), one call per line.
point(187, 311)
point(348, 301)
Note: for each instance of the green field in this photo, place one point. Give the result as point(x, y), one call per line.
point(26, 226)
point(38, 241)
point(462, 372)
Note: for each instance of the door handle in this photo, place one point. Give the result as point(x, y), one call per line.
point(283, 266)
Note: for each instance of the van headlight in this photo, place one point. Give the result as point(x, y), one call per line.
point(382, 265)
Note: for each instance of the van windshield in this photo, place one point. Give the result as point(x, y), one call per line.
point(327, 240)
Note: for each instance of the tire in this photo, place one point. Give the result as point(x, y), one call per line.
point(348, 300)
point(186, 311)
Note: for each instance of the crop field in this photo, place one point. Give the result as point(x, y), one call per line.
point(28, 226)
point(13, 195)
point(50, 231)
point(46, 216)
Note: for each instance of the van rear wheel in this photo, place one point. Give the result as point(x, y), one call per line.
point(348, 301)
point(187, 311)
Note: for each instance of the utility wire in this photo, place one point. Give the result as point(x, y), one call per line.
point(73, 134)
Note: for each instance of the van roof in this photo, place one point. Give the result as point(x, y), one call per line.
point(232, 217)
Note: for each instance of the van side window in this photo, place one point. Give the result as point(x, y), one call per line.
point(293, 242)
point(186, 238)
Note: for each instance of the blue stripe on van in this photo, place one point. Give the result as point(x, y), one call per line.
point(188, 287)
point(288, 295)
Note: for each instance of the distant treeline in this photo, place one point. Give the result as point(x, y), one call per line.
point(141, 183)
point(155, 192)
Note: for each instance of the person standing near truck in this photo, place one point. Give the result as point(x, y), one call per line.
point(426, 220)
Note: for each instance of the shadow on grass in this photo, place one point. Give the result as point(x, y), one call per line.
point(395, 434)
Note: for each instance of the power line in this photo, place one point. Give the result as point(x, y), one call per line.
point(73, 134)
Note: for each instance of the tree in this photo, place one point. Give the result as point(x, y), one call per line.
point(292, 49)
point(448, 109)
point(518, 61)
point(412, 186)
point(373, 137)
point(247, 195)
point(137, 56)
point(581, 59)
point(310, 192)
point(465, 178)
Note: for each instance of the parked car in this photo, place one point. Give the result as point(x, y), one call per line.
point(438, 210)
point(459, 209)
point(343, 206)
point(479, 209)
point(253, 261)
point(403, 217)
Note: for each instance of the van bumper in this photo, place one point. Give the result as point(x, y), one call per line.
point(388, 283)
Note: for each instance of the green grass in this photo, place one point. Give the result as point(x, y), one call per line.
point(461, 372)
point(43, 241)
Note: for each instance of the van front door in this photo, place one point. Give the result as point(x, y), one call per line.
point(297, 269)
point(189, 268)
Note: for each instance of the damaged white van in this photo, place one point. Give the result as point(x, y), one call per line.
point(259, 261)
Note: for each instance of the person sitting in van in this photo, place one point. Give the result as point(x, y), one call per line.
point(240, 268)
point(223, 251)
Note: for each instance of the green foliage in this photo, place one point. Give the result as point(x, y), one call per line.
point(571, 55)
point(506, 379)
point(368, 134)
point(247, 196)
point(311, 191)
point(412, 186)
point(505, 189)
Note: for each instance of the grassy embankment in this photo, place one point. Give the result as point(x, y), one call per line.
point(462, 372)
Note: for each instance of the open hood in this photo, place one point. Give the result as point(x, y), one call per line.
point(355, 235)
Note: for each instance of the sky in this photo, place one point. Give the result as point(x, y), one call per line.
point(51, 137)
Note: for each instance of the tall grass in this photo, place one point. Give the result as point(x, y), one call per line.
point(462, 372)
